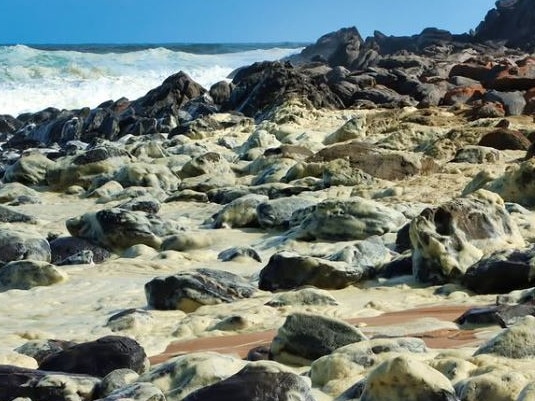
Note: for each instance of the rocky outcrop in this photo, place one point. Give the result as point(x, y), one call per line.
point(510, 22)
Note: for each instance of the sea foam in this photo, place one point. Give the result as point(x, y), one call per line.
point(32, 79)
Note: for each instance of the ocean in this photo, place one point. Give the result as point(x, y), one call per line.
point(73, 76)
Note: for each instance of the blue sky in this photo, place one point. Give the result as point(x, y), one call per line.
point(216, 21)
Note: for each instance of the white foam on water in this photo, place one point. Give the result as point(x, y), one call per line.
point(32, 79)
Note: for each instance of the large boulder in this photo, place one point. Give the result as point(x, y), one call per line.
point(259, 381)
point(502, 272)
point(380, 163)
point(289, 270)
point(338, 48)
point(118, 229)
point(516, 185)
point(169, 97)
point(453, 236)
point(16, 244)
point(263, 86)
point(30, 384)
point(98, 358)
point(185, 374)
point(305, 337)
point(405, 378)
point(517, 341)
point(189, 290)
point(30, 169)
point(352, 219)
point(26, 274)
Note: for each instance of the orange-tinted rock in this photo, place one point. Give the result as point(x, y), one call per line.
point(512, 77)
point(463, 94)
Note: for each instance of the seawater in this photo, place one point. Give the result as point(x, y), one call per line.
point(73, 76)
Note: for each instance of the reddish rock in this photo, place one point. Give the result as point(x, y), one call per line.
point(512, 77)
point(505, 139)
point(463, 94)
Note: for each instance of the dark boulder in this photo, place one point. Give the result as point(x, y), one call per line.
point(189, 290)
point(169, 97)
point(511, 22)
point(36, 385)
point(98, 358)
point(502, 272)
point(503, 139)
point(263, 86)
point(338, 48)
point(256, 382)
point(65, 247)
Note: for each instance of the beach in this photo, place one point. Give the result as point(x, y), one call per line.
point(348, 221)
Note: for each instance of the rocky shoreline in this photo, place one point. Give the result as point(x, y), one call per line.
point(335, 209)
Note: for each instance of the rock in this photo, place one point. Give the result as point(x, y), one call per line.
point(16, 244)
point(509, 77)
point(257, 381)
point(352, 219)
point(516, 342)
point(501, 272)
point(169, 97)
point(29, 169)
point(220, 92)
point(288, 270)
point(184, 374)
point(302, 297)
point(187, 241)
point(147, 175)
point(189, 290)
point(464, 95)
point(380, 163)
point(516, 184)
point(503, 139)
point(263, 86)
point(276, 213)
point(82, 169)
point(38, 385)
point(477, 155)
point(510, 22)
point(447, 240)
point(98, 358)
point(492, 386)
point(240, 212)
point(304, 338)
point(15, 194)
point(527, 393)
point(513, 102)
point(351, 360)
point(207, 163)
point(42, 349)
point(406, 378)
point(136, 392)
point(26, 274)
point(338, 48)
point(353, 129)
point(341, 172)
point(118, 229)
point(10, 215)
point(65, 247)
point(129, 319)
point(115, 380)
point(238, 252)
